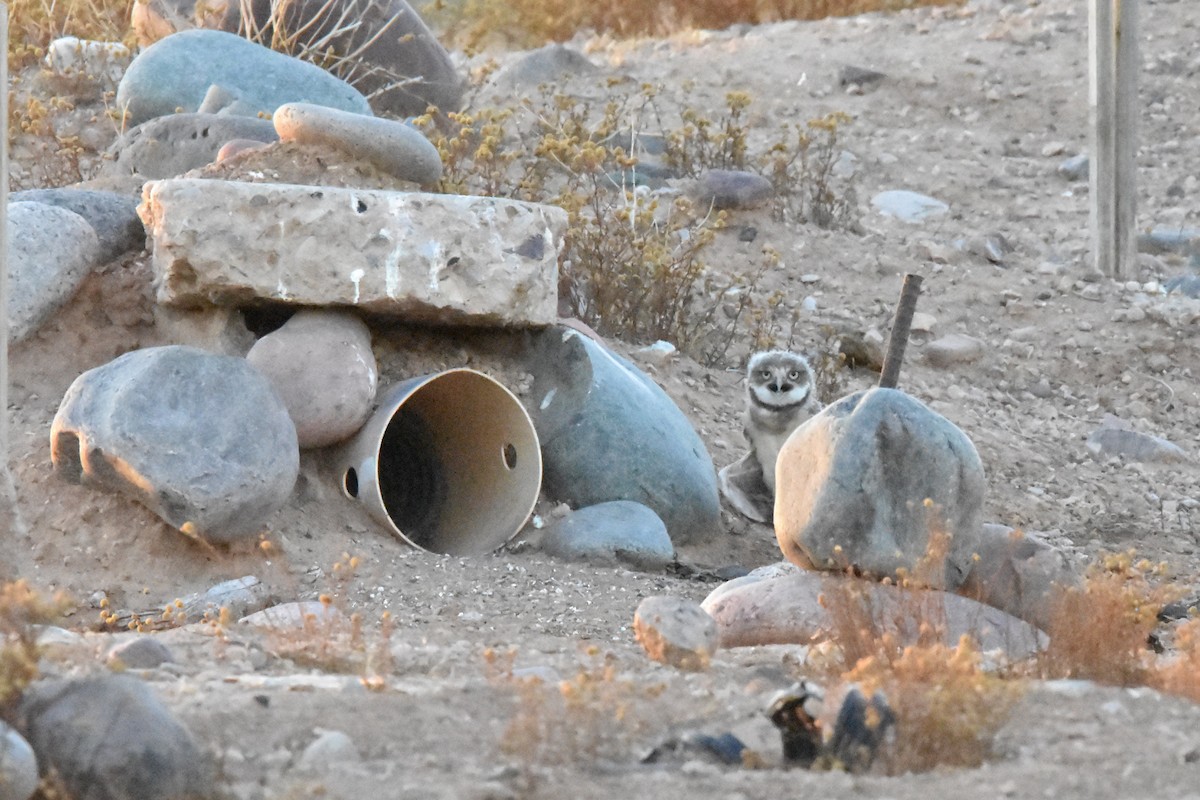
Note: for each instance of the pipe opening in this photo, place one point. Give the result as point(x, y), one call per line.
point(510, 455)
point(350, 482)
point(412, 477)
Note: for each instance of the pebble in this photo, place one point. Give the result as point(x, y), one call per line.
point(397, 149)
point(676, 632)
point(330, 749)
point(954, 348)
point(731, 189)
point(141, 652)
point(546, 65)
point(1108, 441)
point(1075, 168)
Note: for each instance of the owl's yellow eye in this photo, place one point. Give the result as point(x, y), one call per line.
point(794, 374)
point(765, 374)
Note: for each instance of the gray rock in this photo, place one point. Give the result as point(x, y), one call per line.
point(144, 651)
point(1185, 241)
point(546, 65)
point(854, 483)
point(175, 73)
point(239, 597)
point(113, 216)
point(217, 330)
point(397, 60)
point(954, 348)
point(293, 617)
point(200, 439)
point(1186, 285)
point(331, 749)
point(1075, 168)
point(619, 530)
point(394, 147)
point(110, 738)
point(18, 765)
point(731, 189)
point(795, 608)
point(676, 631)
point(50, 251)
point(168, 146)
point(432, 258)
point(1018, 573)
point(321, 364)
point(608, 432)
point(223, 101)
point(1110, 441)
point(908, 206)
point(851, 75)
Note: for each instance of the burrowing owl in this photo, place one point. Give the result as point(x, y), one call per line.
point(780, 394)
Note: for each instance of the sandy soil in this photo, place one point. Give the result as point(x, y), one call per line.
point(979, 106)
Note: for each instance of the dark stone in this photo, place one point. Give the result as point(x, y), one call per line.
point(113, 216)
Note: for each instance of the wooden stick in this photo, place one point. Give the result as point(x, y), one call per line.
point(900, 329)
point(10, 516)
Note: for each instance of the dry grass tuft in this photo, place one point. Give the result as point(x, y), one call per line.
point(21, 607)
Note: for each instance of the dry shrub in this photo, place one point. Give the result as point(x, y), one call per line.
point(634, 263)
point(1100, 629)
point(33, 24)
point(21, 607)
point(531, 22)
point(1179, 673)
point(594, 715)
point(948, 708)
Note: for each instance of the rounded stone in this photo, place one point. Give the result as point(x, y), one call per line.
point(18, 765)
point(322, 366)
point(202, 440)
point(908, 206)
point(676, 631)
point(140, 652)
point(51, 251)
point(166, 147)
point(619, 530)
point(394, 147)
point(731, 189)
point(176, 72)
point(880, 483)
point(112, 215)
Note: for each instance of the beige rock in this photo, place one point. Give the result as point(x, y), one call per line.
point(954, 348)
point(676, 631)
point(437, 259)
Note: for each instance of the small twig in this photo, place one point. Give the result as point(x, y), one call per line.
point(900, 330)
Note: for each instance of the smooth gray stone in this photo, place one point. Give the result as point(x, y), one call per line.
point(731, 189)
point(853, 483)
point(169, 146)
point(110, 738)
point(239, 597)
point(226, 102)
point(331, 749)
point(1185, 241)
point(50, 251)
point(1108, 441)
point(908, 206)
point(202, 440)
point(619, 530)
point(399, 63)
point(143, 651)
point(394, 147)
point(546, 65)
point(113, 216)
point(1075, 168)
point(1018, 573)
point(1186, 285)
point(18, 765)
point(609, 432)
point(174, 73)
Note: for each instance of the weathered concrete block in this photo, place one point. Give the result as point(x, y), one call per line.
point(428, 258)
point(873, 482)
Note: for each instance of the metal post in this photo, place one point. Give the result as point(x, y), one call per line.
point(10, 516)
point(1112, 95)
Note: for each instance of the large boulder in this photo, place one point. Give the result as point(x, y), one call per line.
point(609, 432)
point(110, 738)
point(616, 531)
point(388, 52)
point(880, 483)
point(50, 251)
point(202, 440)
point(427, 258)
point(175, 74)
